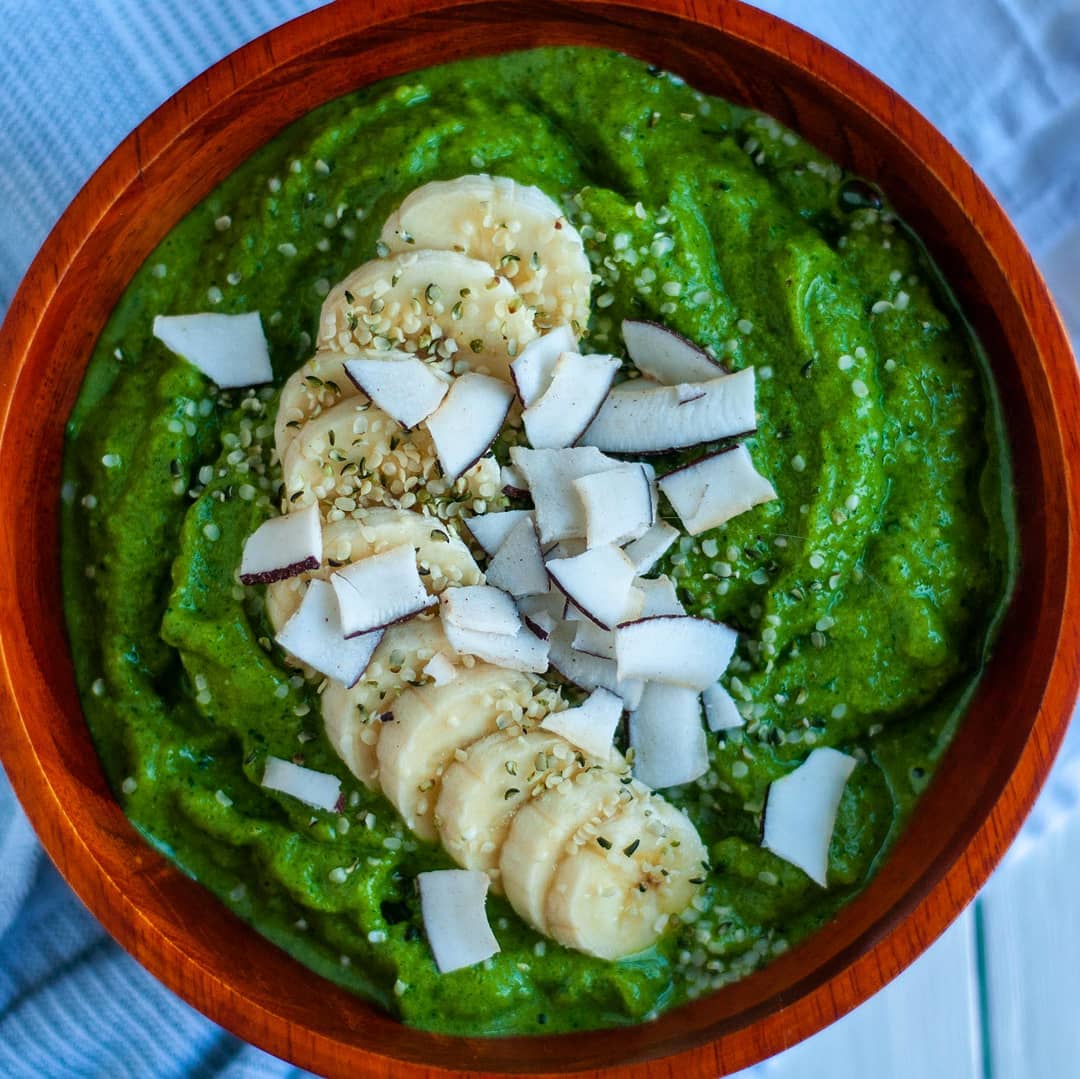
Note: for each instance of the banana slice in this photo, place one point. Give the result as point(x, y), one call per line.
point(353, 717)
point(432, 724)
point(431, 303)
point(583, 852)
point(615, 895)
point(480, 794)
point(545, 828)
point(516, 229)
point(344, 456)
point(442, 555)
point(354, 454)
point(312, 389)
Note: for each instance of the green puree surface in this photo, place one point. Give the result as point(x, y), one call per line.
point(865, 595)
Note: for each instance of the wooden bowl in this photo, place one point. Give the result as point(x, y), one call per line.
point(989, 778)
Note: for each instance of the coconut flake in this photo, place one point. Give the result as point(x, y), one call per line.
point(666, 356)
point(686, 393)
point(230, 350)
point(549, 475)
point(660, 597)
point(618, 504)
point(588, 671)
point(677, 649)
point(567, 548)
point(667, 737)
point(800, 812)
point(512, 482)
point(637, 418)
point(468, 421)
point(542, 613)
point(589, 637)
point(533, 368)
point(578, 387)
point(480, 608)
point(600, 582)
point(455, 917)
point(521, 651)
point(377, 591)
point(283, 547)
point(711, 491)
point(440, 670)
point(518, 565)
point(649, 548)
point(405, 388)
point(721, 712)
point(317, 789)
point(491, 529)
point(314, 635)
point(590, 726)
point(635, 608)
point(654, 490)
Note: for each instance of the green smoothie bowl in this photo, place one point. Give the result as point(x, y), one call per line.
point(550, 539)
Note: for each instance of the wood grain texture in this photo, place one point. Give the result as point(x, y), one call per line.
point(987, 782)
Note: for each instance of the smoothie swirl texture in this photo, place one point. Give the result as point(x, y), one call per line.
point(865, 594)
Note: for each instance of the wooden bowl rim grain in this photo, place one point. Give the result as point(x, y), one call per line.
point(988, 780)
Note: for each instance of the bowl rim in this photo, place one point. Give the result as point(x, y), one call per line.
point(876, 958)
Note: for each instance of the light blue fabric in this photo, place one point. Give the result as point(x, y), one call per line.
point(1000, 77)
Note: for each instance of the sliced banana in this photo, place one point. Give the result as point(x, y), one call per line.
point(354, 455)
point(344, 456)
point(515, 228)
point(353, 717)
point(615, 895)
point(312, 389)
point(432, 725)
point(430, 303)
point(443, 557)
point(545, 828)
point(480, 794)
point(584, 853)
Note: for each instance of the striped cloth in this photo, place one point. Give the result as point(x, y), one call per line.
point(1000, 77)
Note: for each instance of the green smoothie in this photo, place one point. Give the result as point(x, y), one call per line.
point(865, 595)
